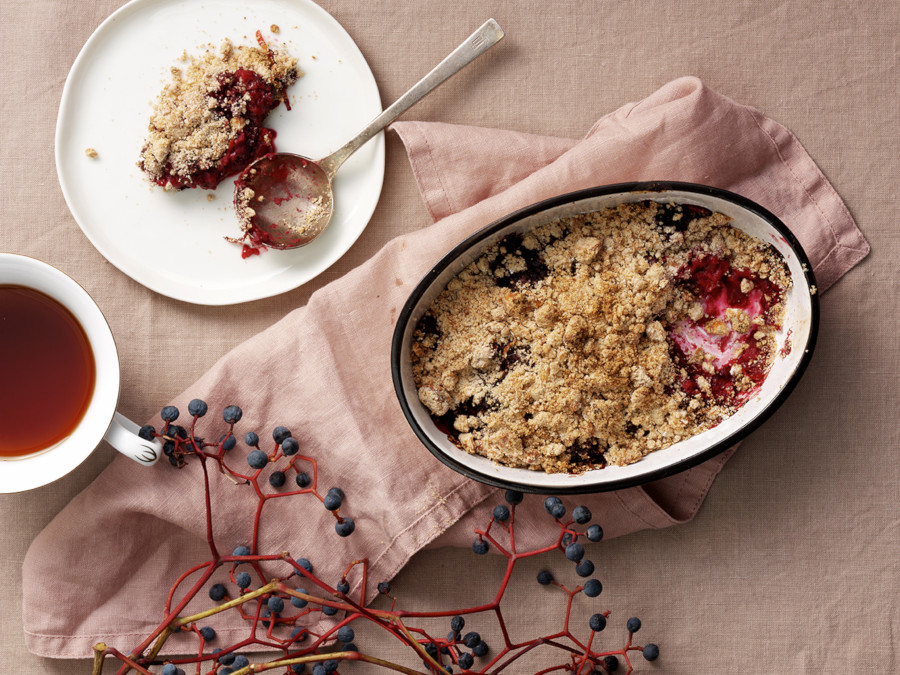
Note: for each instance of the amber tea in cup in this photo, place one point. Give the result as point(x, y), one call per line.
point(59, 378)
point(47, 371)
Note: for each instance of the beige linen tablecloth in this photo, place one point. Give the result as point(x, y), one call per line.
point(791, 564)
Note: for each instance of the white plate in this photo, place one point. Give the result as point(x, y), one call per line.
point(173, 243)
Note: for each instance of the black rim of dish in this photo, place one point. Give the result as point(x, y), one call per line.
point(473, 240)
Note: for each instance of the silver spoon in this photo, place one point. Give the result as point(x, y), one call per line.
point(285, 201)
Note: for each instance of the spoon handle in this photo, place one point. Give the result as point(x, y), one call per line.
point(474, 46)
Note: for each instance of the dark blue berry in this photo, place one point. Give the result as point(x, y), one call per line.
point(431, 649)
point(384, 587)
point(554, 507)
point(168, 448)
point(471, 639)
point(228, 442)
point(345, 527)
point(299, 634)
point(319, 669)
point(333, 499)
point(303, 480)
point(567, 538)
point(575, 552)
point(197, 408)
point(592, 588)
point(276, 479)
point(544, 578)
point(513, 497)
point(242, 579)
point(585, 568)
point(611, 663)
point(466, 661)
point(208, 633)
point(232, 414)
point(595, 533)
point(480, 649)
point(480, 546)
point(501, 512)
point(281, 433)
point(177, 431)
point(241, 550)
point(241, 661)
point(251, 438)
point(275, 604)
point(351, 647)
point(651, 652)
point(581, 515)
point(328, 610)
point(170, 413)
point(305, 564)
point(298, 668)
point(257, 459)
point(169, 669)
point(345, 634)
point(299, 603)
point(217, 592)
point(226, 659)
point(290, 446)
point(633, 625)
point(147, 432)
point(173, 460)
point(457, 623)
point(331, 665)
point(597, 622)
point(343, 586)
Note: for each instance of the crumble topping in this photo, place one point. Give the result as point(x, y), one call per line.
point(213, 107)
point(597, 339)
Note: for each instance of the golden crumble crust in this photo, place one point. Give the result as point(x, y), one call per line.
point(554, 349)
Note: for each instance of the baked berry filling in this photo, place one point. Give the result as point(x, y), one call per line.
point(242, 95)
point(725, 357)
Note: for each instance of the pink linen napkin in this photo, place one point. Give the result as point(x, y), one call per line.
point(324, 372)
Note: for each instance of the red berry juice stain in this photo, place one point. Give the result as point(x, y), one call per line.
point(47, 371)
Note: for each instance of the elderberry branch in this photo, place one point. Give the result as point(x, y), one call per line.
point(281, 605)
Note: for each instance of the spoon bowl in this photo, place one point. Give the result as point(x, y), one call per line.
point(285, 201)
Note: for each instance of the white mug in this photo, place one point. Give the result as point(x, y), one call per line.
point(100, 420)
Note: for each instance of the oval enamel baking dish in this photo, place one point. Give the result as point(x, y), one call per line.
point(796, 339)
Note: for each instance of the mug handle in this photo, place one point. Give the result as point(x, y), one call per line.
point(123, 436)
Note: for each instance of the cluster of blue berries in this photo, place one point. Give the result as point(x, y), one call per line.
point(456, 644)
point(460, 648)
point(574, 550)
point(177, 444)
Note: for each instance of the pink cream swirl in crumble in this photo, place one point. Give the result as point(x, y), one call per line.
point(717, 349)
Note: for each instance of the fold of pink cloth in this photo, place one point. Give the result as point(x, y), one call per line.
point(129, 535)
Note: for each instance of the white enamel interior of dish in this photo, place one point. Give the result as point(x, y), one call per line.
point(797, 326)
point(31, 471)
